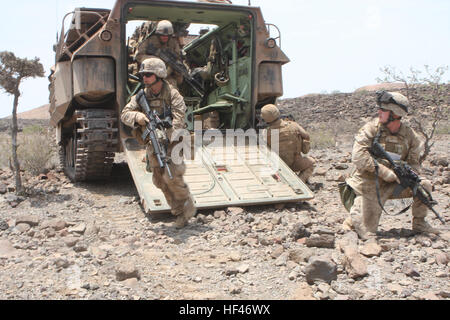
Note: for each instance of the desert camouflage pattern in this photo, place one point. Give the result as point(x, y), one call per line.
point(270, 113)
point(154, 65)
point(173, 45)
point(366, 211)
point(293, 141)
point(405, 144)
point(175, 190)
point(395, 109)
point(168, 98)
point(399, 98)
point(164, 27)
point(141, 51)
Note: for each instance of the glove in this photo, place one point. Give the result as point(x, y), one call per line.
point(306, 146)
point(387, 174)
point(141, 119)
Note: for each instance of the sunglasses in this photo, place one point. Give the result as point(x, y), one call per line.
point(147, 74)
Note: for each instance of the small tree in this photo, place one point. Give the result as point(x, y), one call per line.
point(13, 71)
point(428, 96)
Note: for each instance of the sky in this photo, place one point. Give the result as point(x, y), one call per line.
point(333, 45)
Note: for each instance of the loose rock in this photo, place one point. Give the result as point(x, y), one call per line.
point(354, 263)
point(320, 269)
point(28, 219)
point(320, 241)
point(371, 249)
point(410, 270)
point(127, 271)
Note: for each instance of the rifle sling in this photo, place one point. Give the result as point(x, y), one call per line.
point(397, 191)
point(377, 184)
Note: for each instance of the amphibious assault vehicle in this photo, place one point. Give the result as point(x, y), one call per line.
point(94, 77)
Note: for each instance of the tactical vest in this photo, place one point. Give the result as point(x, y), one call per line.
point(171, 45)
point(397, 145)
point(161, 103)
point(290, 143)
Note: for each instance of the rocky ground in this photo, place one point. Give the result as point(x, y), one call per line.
point(93, 241)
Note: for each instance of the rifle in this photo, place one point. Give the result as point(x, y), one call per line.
point(408, 178)
point(150, 131)
point(171, 59)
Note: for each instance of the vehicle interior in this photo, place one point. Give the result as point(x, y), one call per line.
point(217, 49)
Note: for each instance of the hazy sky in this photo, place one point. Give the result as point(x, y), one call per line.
point(333, 45)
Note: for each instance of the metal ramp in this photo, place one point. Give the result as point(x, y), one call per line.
point(223, 176)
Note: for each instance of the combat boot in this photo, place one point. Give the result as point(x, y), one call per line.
point(347, 225)
point(362, 232)
point(421, 226)
point(189, 211)
point(181, 221)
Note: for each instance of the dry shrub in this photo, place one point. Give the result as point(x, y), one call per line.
point(429, 108)
point(5, 150)
point(322, 136)
point(443, 128)
point(36, 151)
point(340, 127)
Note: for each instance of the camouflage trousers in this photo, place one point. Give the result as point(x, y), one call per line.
point(176, 191)
point(366, 211)
point(303, 166)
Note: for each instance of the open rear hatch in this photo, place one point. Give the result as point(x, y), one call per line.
point(223, 176)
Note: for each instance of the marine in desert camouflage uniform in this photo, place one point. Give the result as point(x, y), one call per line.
point(398, 138)
point(294, 141)
point(162, 38)
point(167, 101)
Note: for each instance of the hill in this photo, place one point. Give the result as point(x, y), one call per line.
point(351, 109)
point(356, 106)
point(40, 113)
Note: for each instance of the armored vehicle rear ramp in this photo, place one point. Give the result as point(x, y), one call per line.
point(223, 176)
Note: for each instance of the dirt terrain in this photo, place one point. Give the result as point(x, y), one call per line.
point(93, 241)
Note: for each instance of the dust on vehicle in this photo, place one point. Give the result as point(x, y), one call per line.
point(233, 68)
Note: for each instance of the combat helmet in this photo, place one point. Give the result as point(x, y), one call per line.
point(270, 113)
point(393, 101)
point(154, 65)
point(164, 28)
